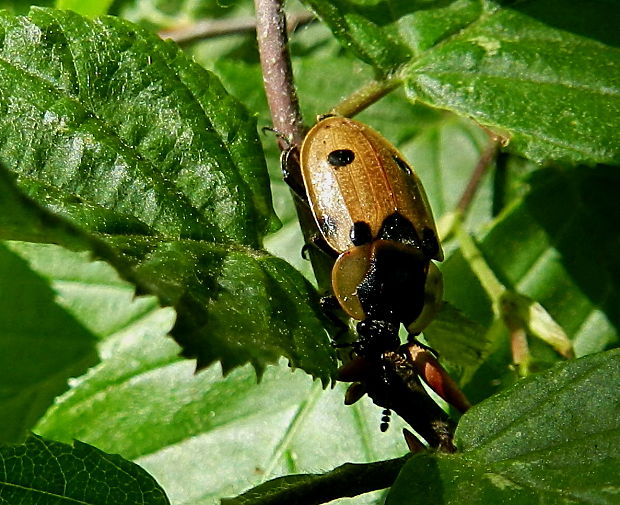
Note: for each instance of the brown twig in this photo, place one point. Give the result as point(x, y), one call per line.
point(277, 70)
point(488, 154)
point(210, 28)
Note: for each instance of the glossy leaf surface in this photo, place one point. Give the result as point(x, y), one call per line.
point(548, 439)
point(157, 170)
point(45, 472)
point(550, 84)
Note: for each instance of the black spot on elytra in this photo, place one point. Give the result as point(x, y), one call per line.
point(360, 233)
point(398, 228)
point(340, 157)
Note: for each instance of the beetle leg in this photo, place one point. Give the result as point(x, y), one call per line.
point(331, 308)
point(291, 172)
point(329, 303)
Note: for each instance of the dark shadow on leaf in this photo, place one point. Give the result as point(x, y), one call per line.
point(384, 13)
point(594, 19)
point(43, 345)
point(579, 211)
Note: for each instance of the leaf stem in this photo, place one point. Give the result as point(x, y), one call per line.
point(365, 97)
point(494, 288)
point(286, 117)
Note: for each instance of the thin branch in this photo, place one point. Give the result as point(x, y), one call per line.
point(210, 28)
point(277, 70)
point(350, 479)
point(476, 177)
point(365, 97)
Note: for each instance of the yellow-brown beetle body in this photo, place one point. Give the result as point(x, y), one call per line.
point(352, 174)
point(372, 210)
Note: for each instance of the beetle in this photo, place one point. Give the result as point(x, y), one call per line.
point(373, 213)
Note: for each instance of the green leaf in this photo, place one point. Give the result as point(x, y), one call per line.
point(347, 480)
point(548, 83)
point(21, 218)
point(45, 472)
point(204, 436)
point(388, 34)
point(552, 438)
point(23, 6)
point(158, 14)
point(560, 255)
point(444, 152)
point(37, 354)
point(251, 306)
point(456, 338)
point(159, 172)
point(145, 402)
point(555, 93)
point(144, 140)
point(87, 8)
point(563, 256)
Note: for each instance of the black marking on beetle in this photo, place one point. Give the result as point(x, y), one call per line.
point(360, 233)
point(325, 116)
point(375, 337)
point(398, 228)
point(392, 289)
point(340, 157)
point(430, 244)
point(402, 164)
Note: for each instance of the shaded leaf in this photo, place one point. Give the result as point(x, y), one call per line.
point(203, 436)
point(21, 218)
point(42, 471)
point(557, 254)
point(235, 305)
point(37, 354)
point(456, 338)
point(347, 480)
point(562, 256)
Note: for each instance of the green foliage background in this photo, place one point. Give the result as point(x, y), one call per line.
point(136, 202)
